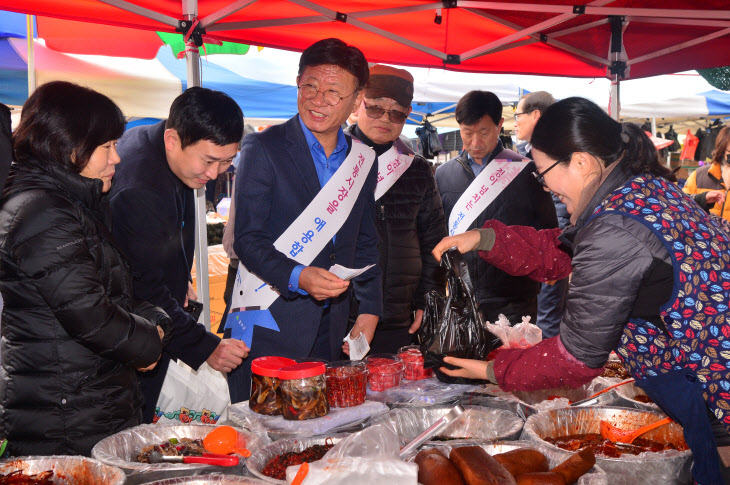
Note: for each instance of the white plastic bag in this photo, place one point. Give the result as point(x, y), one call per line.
point(522, 335)
point(189, 396)
point(363, 458)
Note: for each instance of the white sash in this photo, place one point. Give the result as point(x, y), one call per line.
point(391, 165)
point(305, 238)
point(495, 177)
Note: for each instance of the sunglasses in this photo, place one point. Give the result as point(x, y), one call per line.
point(376, 112)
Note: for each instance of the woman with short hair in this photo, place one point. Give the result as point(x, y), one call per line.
point(72, 338)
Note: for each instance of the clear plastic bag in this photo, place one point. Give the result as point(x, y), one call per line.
point(277, 427)
point(363, 458)
point(476, 422)
point(452, 323)
point(520, 336)
point(424, 392)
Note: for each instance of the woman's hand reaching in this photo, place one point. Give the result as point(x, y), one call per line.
point(464, 242)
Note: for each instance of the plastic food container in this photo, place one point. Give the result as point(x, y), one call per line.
point(265, 393)
point(346, 383)
point(413, 363)
point(385, 371)
point(303, 391)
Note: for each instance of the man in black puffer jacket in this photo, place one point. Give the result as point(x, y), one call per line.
point(523, 202)
point(409, 215)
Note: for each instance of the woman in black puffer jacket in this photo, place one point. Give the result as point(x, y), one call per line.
point(72, 338)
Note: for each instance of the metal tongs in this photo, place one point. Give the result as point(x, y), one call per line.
point(206, 459)
point(432, 430)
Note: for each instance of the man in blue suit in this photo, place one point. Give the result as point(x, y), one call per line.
point(281, 171)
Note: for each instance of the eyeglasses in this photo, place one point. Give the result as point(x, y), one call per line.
point(376, 112)
point(331, 97)
point(540, 176)
point(517, 115)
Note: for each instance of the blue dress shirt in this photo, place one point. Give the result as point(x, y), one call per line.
point(326, 167)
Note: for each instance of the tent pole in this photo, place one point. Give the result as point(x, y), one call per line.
point(192, 57)
point(31, 54)
point(653, 126)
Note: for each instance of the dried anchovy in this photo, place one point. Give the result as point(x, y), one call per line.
point(19, 478)
point(276, 468)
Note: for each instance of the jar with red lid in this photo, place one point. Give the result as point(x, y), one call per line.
point(303, 391)
point(265, 382)
point(413, 369)
point(384, 371)
point(346, 383)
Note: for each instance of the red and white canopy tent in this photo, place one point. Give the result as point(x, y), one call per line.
point(579, 38)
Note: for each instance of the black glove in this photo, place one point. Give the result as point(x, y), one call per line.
point(156, 315)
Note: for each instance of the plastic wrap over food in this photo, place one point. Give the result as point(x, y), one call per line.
point(214, 479)
point(594, 476)
point(67, 470)
point(636, 397)
point(363, 458)
point(520, 336)
point(526, 403)
point(659, 468)
point(258, 460)
point(338, 419)
point(476, 422)
point(425, 392)
point(121, 450)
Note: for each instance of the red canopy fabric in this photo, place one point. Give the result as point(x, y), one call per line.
point(659, 36)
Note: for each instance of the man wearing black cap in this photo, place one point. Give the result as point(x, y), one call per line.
point(409, 214)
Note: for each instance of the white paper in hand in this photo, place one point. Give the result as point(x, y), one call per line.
point(348, 273)
point(358, 346)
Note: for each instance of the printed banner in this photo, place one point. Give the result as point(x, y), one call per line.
point(391, 166)
point(495, 177)
point(305, 238)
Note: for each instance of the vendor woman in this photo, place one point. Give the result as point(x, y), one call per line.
point(650, 277)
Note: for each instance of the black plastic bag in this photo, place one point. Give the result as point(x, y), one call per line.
point(428, 141)
point(453, 325)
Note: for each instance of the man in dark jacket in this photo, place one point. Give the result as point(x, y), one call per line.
point(153, 218)
point(553, 295)
point(523, 202)
point(409, 215)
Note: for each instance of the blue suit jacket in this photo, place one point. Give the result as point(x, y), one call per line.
point(276, 181)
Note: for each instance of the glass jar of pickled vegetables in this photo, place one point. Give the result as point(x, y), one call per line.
point(346, 383)
point(384, 371)
point(303, 391)
point(265, 382)
point(413, 369)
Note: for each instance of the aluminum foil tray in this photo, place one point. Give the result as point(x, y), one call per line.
point(477, 422)
point(68, 470)
point(120, 450)
point(263, 456)
point(210, 480)
point(662, 468)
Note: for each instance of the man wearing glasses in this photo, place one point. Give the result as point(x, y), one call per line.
point(283, 178)
point(523, 202)
point(409, 214)
point(553, 295)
